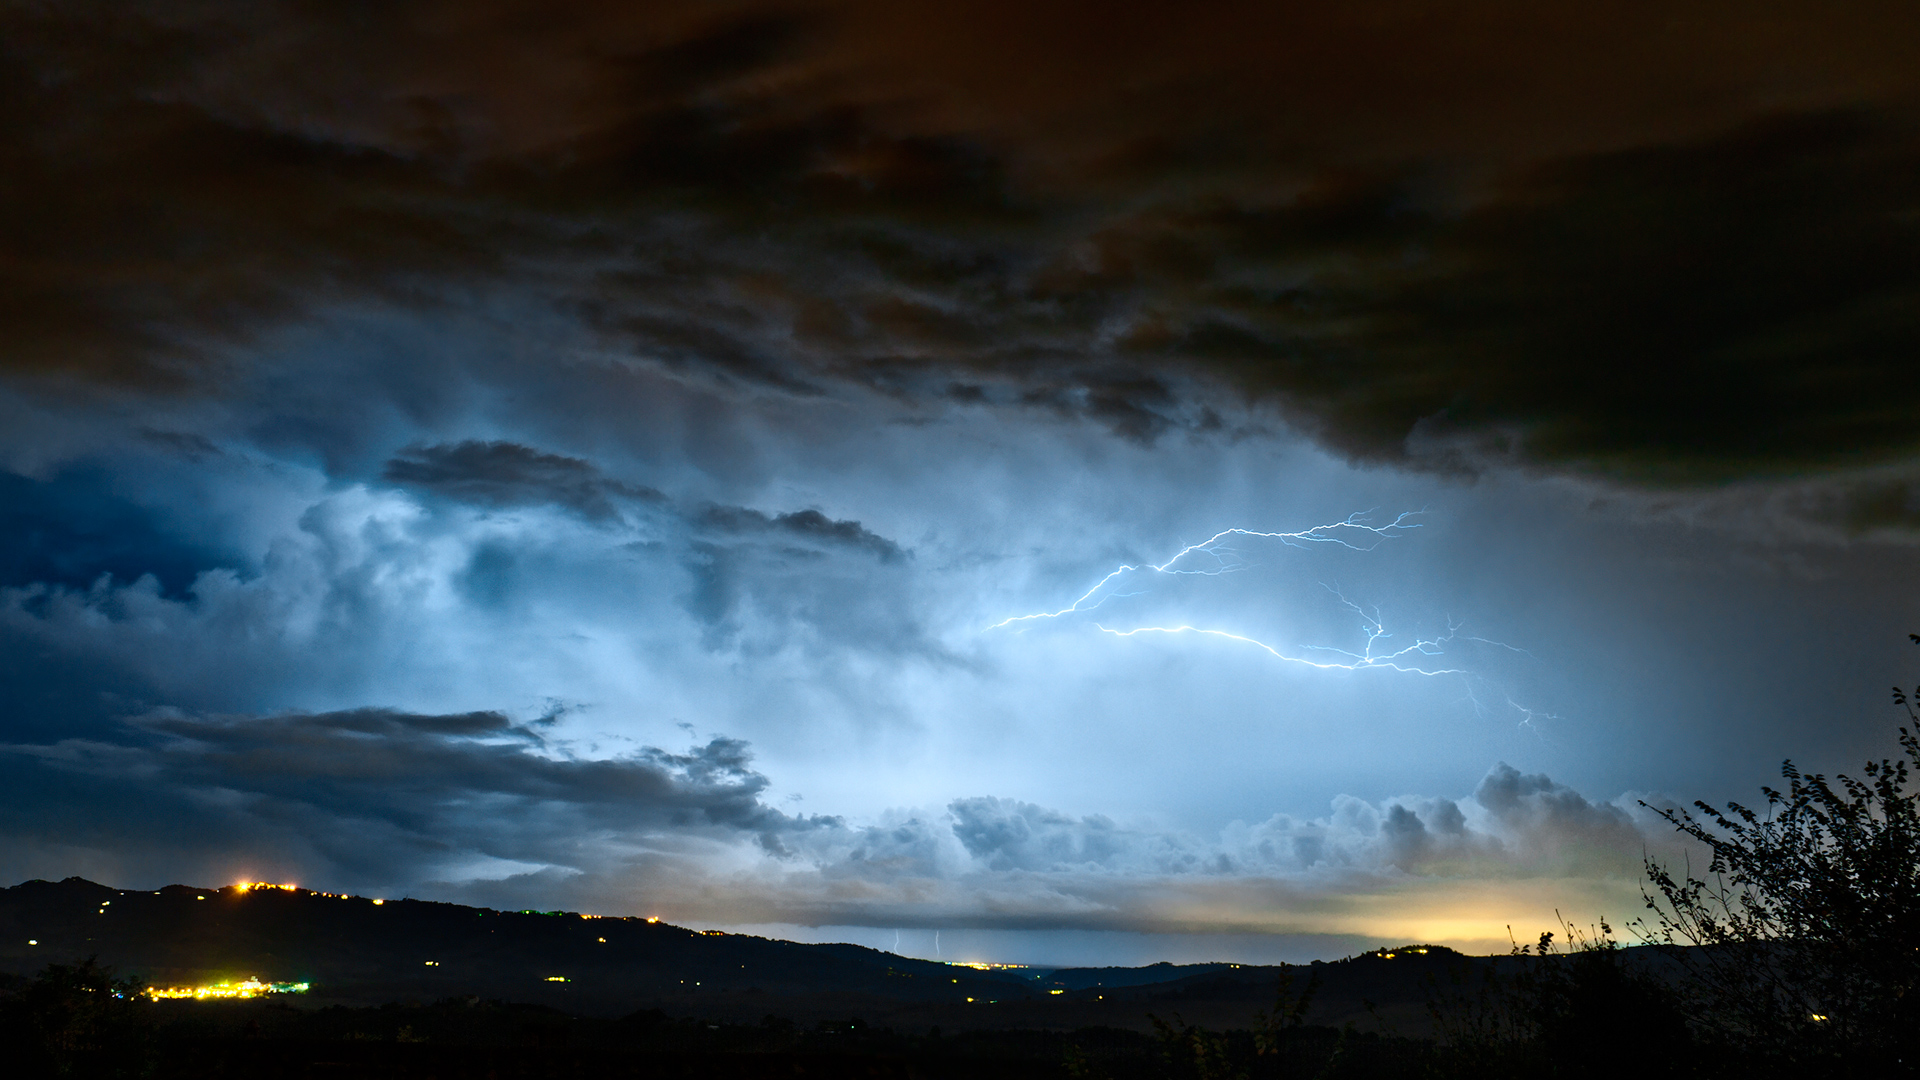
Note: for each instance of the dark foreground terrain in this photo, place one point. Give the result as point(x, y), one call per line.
point(354, 952)
point(499, 1041)
point(424, 990)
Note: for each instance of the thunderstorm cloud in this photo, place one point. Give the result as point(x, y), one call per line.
point(624, 456)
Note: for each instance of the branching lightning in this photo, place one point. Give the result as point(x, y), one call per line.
point(1401, 660)
point(1358, 661)
point(1226, 559)
point(1222, 553)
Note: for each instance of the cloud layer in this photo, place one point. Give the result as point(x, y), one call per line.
point(413, 418)
point(387, 801)
point(768, 197)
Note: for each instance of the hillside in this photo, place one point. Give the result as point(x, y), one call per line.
point(360, 951)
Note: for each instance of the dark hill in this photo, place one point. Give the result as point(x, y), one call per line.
point(357, 951)
point(1162, 972)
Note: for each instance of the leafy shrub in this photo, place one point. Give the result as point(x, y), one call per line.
point(1807, 923)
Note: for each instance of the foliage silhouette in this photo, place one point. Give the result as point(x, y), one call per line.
point(1807, 923)
point(1280, 1044)
point(78, 1020)
point(1548, 1009)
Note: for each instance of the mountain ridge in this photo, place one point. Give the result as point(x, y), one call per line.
point(361, 951)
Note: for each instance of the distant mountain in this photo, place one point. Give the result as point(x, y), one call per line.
point(359, 951)
point(1163, 972)
point(363, 951)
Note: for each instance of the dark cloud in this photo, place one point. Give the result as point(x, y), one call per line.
point(477, 805)
point(1890, 506)
point(1005, 834)
point(1548, 822)
point(504, 474)
point(1437, 833)
point(379, 796)
point(809, 526)
point(1743, 303)
point(72, 528)
point(1883, 505)
point(186, 444)
point(55, 692)
point(758, 575)
point(1490, 235)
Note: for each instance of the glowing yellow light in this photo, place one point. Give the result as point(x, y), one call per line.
point(1819, 1018)
point(558, 978)
point(653, 918)
point(433, 963)
point(246, 989)
point(377, 903)
point(969, 999)
point(1056, 991)
point(603, 941)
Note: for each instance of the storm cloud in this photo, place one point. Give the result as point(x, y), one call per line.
point(413, 418)
point(760, 196)
point(504, 474)
point(378, 797)
point(468, 804)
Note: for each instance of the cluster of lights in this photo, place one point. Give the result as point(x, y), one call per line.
point(253, 987)
point(248, 989)
point(257, 886)
point(978, 965)
point(1416, 951)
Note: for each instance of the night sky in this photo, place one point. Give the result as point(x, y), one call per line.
point(600, 455)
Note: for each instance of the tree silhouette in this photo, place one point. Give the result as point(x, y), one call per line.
point(78, 1020)
point(1808, 918)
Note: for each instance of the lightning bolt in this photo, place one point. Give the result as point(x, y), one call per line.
point(1226, 559)
point(1358, 662)
point(1401, 660)
point(1221, 554)
point(1527, 714)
